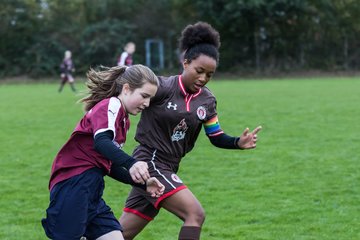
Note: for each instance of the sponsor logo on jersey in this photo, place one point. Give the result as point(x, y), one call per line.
point(175, 178)
point(173, 106)
point(179, 131)
point(113, 113)
point(201, 113)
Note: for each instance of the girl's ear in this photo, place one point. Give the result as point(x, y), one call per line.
point(126, 88)
point(185, 63)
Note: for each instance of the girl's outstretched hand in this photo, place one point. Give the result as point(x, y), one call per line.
point(154, 187)
point(248, 139)
point(139, 172)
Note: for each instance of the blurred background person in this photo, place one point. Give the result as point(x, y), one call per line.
point(67, 68)
point(126, 56)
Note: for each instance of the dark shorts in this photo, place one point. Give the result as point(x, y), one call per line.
point(162, 167)
point(77, 209)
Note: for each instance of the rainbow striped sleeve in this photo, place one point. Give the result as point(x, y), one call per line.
point(212, 127)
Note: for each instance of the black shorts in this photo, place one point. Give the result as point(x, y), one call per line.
point(162, 167)
point(77, 209)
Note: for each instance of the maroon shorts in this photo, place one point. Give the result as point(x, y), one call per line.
point(164, 168)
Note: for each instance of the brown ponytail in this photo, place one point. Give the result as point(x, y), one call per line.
point(109, 82)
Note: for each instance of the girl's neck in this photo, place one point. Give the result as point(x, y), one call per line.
point(120, 97)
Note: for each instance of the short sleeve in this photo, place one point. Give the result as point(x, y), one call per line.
point(211, 122)
point(122, 58)
point(103, 116)
point(211, 109)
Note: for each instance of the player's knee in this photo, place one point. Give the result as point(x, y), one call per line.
point(196, 215)
point(201, 216)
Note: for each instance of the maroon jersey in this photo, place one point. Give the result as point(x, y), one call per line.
point(67, 66)
point(78, 153)
point(125, 59)
point(172, 122)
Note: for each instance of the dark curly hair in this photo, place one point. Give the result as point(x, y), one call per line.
point(199, 38)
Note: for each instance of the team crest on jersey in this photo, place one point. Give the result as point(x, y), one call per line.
point(201, 113)
point(175, 178)
point(179, 131)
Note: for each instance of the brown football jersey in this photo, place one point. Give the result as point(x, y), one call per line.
point(173, 121)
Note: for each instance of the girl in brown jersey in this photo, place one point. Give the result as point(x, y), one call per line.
point(168, 130)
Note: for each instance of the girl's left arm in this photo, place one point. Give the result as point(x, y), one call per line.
point(218, 138)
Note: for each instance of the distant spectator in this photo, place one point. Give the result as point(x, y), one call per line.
point(126, 57)
point(67, 68)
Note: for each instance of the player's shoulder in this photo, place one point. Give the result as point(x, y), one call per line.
point(206, 92)
point(167, 85)
point(168, 81)
point(113, 103)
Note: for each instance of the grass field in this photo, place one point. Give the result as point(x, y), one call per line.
point(302, 182)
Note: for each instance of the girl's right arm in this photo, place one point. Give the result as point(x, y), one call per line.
point(124, 168)
point(152, 186)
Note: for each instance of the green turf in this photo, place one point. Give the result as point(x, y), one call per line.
point(302, 182)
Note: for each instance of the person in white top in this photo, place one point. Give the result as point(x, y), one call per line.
point(126, 56)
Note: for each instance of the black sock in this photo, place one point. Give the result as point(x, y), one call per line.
point(189, 233)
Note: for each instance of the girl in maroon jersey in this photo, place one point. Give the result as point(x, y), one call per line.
point(126, 56)
point(168, 129)
point(77, 176)
point(67, 68)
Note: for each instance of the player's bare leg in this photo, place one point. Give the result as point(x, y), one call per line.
point(62, 83)
point(71, 82)
point(185, 205)
point(72, 87)
point(132, 225)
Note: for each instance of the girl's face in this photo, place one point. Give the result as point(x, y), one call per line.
point(130, 48)
point(198, 73)
point(138, 99)
point(67, 54)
